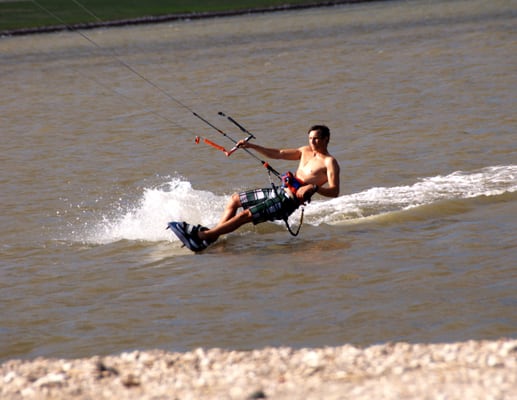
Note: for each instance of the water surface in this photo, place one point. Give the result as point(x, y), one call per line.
point(420, 246)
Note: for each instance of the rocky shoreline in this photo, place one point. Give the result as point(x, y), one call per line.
point(464, 370)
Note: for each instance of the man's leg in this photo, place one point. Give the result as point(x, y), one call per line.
point(228, 226)
point(230, 220)
point(231, 208)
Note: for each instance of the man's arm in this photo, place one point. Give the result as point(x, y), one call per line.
point(332, 189)
point(283, 154)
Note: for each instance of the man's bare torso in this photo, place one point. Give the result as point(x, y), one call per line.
point(312, 168)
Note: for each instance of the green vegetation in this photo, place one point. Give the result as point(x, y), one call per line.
point(17, 14)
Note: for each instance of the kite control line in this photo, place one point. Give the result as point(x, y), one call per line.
point(162, 90)
point(234, 148)
point(269, 168)
point(243, 129)
point(228, 153)
point(287, 179)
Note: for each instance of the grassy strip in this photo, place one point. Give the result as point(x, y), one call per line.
point(23, 14)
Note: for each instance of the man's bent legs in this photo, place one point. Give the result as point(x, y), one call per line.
point(231, 208)
point(228, 226)
point(230, 220)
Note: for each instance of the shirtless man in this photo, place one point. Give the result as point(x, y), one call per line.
point(318, 172)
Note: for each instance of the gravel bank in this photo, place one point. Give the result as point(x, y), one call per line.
point(466, 370)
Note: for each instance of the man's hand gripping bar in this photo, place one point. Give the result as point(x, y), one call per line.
point(219, 147)
point(236, 147)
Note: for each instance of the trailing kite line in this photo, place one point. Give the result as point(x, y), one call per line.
point(114, 55)
point(160, 89)
point(163, 91)
point(228, 153)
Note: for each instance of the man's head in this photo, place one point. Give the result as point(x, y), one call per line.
point(319, 136)
point(322, 130)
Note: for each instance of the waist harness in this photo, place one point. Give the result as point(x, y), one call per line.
point(290, 184)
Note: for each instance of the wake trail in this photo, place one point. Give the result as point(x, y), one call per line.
point(176, 199)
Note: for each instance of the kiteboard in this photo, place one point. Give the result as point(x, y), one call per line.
point(187, 234)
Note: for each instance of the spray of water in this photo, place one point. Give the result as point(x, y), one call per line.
point(177, 200)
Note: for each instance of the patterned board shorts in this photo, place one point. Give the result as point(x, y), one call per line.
point(267, 204)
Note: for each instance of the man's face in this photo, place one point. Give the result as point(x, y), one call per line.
point(317, 141)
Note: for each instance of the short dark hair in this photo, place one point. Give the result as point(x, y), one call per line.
point(323, 130)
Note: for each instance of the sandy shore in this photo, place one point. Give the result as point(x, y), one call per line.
point(466, 370)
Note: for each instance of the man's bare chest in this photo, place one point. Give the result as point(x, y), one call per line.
point(312, 166)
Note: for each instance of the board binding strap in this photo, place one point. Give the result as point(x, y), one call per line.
point(188, 235)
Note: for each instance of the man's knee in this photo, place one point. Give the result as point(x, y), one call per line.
point(235, 200)
point(247, 213)
point(245, 216)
